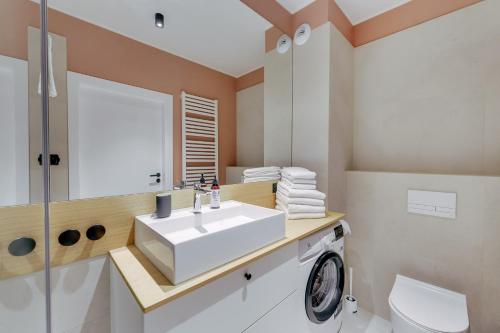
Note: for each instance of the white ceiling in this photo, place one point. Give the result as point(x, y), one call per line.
point(356, 11)
point(224, 35)
point(294, 6)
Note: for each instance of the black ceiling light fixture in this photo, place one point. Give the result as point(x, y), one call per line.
point(159, 20)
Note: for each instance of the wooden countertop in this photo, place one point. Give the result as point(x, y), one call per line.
point(152, 289)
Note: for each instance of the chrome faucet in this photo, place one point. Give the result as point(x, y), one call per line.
point(197, 192)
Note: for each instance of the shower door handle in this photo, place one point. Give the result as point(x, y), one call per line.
point(54, 159)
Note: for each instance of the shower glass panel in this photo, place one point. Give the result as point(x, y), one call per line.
point(23, 288)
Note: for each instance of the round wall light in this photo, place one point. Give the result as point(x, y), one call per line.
point(302, 34)
point(283, 44)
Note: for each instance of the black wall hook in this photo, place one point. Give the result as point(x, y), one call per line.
point(96, 232)
point(22, 246)
point(69, 237)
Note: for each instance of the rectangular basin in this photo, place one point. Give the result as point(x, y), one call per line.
point(187, 244)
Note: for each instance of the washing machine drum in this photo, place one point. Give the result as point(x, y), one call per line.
point(324, 288)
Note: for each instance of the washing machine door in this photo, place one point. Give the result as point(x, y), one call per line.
point(324, 288)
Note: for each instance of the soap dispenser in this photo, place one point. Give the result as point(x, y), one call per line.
point(215, 194)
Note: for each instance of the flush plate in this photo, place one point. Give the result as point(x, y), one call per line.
point(440, 204)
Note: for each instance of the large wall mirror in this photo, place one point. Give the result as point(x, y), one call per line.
point(145, 96)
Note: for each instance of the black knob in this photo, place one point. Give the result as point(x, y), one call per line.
point(69, 237)
point(247, 276)
point(54, 159)
point(22, 246)
point(96, 232)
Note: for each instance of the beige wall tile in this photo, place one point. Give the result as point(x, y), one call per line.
point(250, 126)
point(278, 108)
point(492, 116)
point(423, 96)
point(341, 118)
point(459, 254)
point(311, 108)
point(490, 260)
point(323, 110)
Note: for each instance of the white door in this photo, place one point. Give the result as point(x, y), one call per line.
point(120, 137)
point(14, 168)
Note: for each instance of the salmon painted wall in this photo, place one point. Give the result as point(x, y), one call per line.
point(250, 79)
point(98, 52)
point(319, 12)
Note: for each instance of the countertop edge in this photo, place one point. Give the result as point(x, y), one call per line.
point(148, 293)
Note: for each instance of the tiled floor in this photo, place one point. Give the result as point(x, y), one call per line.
point(364, 322)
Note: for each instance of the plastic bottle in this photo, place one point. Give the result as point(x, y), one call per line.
point(215, 195)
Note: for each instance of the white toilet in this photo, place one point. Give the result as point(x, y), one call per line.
point(418, 307)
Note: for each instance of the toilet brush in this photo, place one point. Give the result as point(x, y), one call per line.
point(350, 300)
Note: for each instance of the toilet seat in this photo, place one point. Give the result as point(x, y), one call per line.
point(410, 321)
point(431, 308)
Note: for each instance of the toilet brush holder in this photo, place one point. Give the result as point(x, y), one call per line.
point(351, 304)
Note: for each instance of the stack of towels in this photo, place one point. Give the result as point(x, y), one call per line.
point(297, 195)
point(261, 174)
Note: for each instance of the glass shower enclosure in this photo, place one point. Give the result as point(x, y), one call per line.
point(25, 287)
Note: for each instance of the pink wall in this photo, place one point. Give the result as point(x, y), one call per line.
point(320, 11)
point(98, 52)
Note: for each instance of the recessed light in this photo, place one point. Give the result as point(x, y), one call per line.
point(159, 20)
point(302, 34)
point(283, 44)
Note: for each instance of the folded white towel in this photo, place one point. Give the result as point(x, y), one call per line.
point(293, 173)
point(266, 175)
point(259, 179)
point(262, 171)
point(298, 201)
point(293, 209)
point(295, 193)
point(300, 216)
point(298, 186)
point(299, 180)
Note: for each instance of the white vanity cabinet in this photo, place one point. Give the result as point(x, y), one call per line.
point(281, 318)
point(232, 303)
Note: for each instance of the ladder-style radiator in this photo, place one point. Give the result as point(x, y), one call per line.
point(199, 138)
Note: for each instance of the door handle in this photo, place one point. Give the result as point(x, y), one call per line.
point(157, 176)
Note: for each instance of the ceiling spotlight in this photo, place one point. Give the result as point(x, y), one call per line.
point(159, 20)
point(302, 34)
point(283, 44)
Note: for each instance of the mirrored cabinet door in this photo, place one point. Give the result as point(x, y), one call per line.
point(153, 96)
point(185, 93)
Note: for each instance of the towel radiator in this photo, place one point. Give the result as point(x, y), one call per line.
point(199, 138)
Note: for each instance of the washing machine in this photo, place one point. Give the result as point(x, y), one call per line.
point(322, 278)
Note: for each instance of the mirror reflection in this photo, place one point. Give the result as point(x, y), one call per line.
point(145, 96)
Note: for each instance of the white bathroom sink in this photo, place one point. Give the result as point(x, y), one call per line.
point(187, 244)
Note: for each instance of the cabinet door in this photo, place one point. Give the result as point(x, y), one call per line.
point(231, 303)
point(281, 318)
